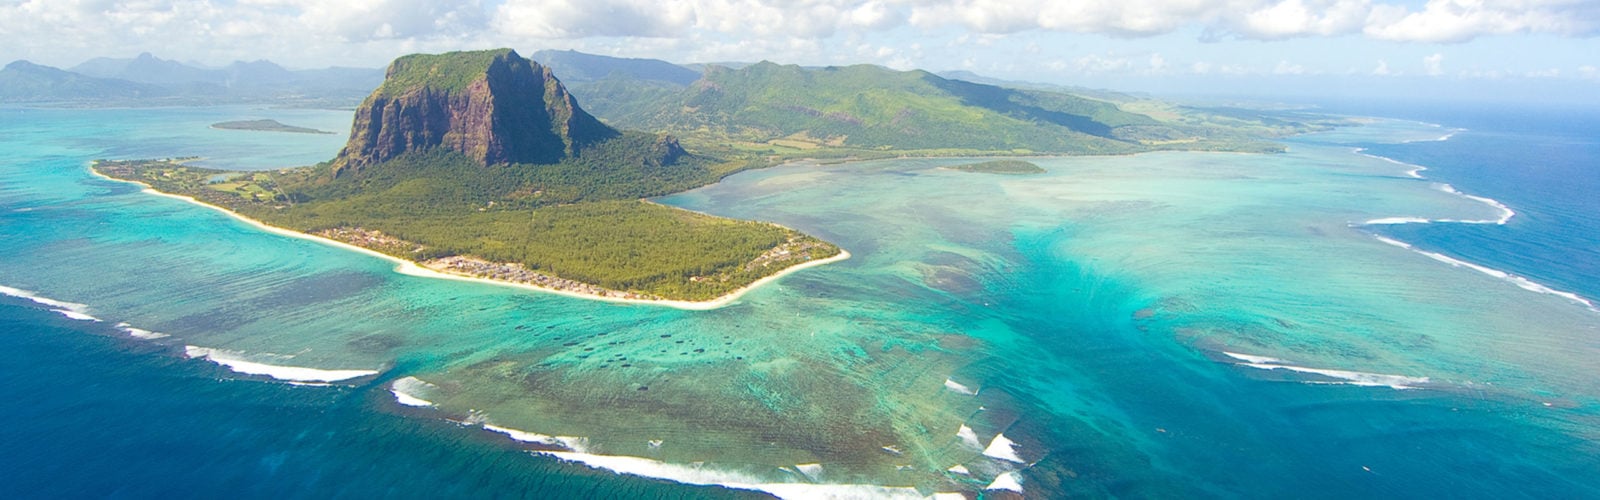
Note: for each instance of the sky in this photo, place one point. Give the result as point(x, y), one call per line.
point(1287, 47)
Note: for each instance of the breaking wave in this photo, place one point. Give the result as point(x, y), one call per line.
point(236, 361)
point(71, 310)
point(1505, 216)
point(1520, 282)
point(1344, 377)
point(1002, 448)
point(958, 387)
point(409, 391)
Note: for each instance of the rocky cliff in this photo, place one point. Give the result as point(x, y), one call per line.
point(493, 106)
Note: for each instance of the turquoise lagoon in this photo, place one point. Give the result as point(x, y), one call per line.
point(1169, 324)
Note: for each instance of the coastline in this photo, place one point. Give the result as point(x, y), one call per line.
point(410, 268)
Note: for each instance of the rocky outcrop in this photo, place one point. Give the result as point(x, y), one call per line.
point(495, 107)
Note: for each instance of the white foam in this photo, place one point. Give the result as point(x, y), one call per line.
point(408, 390)
point(69, 309)
point(957, 387)
point(1346, 377)
point(75, 315)
point(703, 475)
point(1010, 481)
point(234, 361)
point(141, 333)
point(812, 471)
point(1397, 220)
point(1506, 213)
point(1252, 359)
point(1392, 241)
point(1002, 448)
point(959, 469)
point(522, 436)
point(1415, 172)
point(577, 444)
point(1520, 282)
point(969, 437)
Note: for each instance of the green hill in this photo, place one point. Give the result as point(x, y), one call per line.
point(864, 110)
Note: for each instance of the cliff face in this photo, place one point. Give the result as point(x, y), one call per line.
point(493, 106)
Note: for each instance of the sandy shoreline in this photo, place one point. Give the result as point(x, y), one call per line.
point(410, 268)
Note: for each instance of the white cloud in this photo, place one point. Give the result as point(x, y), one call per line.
point(367, 32)
point(1382, 69)
point(553, 19)
point(288, 31)
point(1293, 18)
point(1157, 63)
point(1433, 65)
point(1287, 68)
point(1462, 20)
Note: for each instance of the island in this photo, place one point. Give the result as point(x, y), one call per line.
point(267, 126)
point(524, 189)
point(1004, 167)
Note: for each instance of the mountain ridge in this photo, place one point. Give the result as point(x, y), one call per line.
point(494, 106)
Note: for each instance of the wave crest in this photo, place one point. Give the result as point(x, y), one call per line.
point(236, 362)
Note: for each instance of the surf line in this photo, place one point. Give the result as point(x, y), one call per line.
point(1506, 213)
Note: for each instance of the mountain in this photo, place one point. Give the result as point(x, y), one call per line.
point(145, 68)
point(871, 107)
point(1101, 94)
point(23, 81)
point(576, 66)
point(494, 107)
point(238, 81)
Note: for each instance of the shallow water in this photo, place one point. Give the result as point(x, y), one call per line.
point(1090, 309)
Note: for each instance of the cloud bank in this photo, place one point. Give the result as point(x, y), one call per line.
point(320, 32)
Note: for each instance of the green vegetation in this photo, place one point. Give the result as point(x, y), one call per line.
point(450, 72)
point(1009, 167)
point(577, 220)
point(267, 126)
point(770, 113)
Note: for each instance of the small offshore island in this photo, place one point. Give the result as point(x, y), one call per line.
point(267, 126)
point(534, 191)
point(1003, 167)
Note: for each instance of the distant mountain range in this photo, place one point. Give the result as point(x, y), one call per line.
point(149, 79)
point(23, 81)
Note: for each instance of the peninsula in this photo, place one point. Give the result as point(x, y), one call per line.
point(481, 165)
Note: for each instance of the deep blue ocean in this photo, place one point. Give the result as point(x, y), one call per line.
point(1541, 160)
point(1073, 360)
